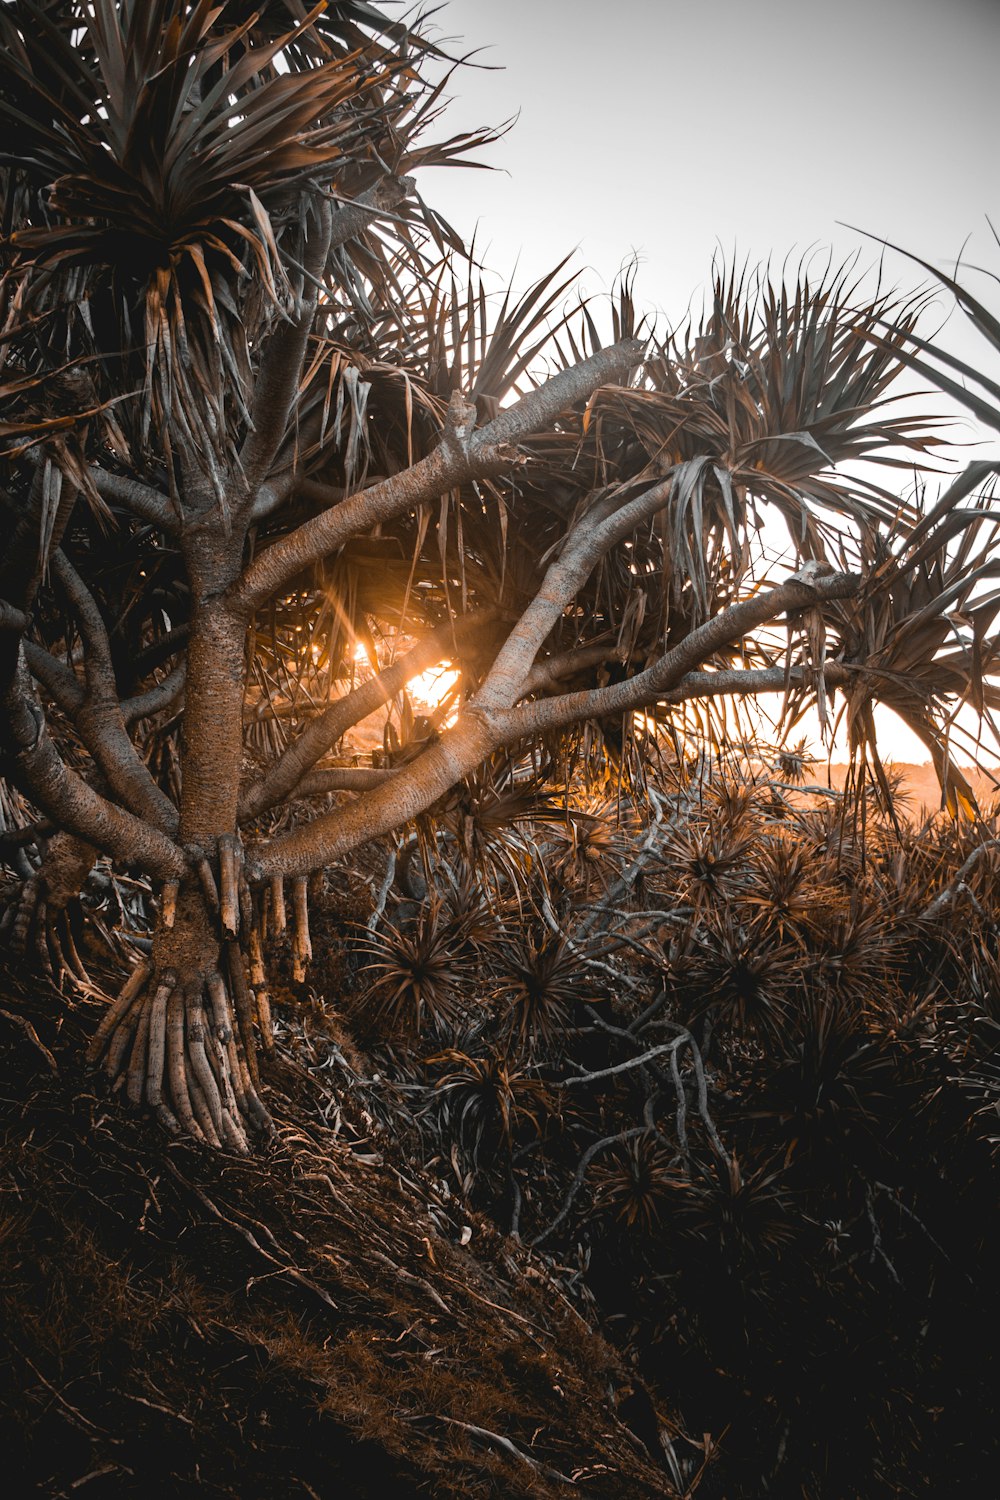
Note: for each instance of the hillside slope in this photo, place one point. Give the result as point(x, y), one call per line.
point(308, 1322)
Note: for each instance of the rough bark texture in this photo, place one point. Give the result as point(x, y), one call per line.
point(181, 1034)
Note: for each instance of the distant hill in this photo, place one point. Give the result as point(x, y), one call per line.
point(920, 783)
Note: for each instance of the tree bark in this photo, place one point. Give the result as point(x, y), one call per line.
point(41, 912)
point(180, 1037)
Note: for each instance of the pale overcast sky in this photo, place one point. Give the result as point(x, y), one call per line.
point(671, 129)
point(676, 130)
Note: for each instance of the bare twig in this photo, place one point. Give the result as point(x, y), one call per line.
point(581, 1172)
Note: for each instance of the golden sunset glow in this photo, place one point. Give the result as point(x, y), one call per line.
point(432, 686)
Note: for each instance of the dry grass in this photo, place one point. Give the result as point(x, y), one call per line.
point(306, 1323)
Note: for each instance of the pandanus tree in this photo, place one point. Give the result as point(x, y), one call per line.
point(250, 413)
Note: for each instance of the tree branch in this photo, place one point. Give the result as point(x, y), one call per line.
point(284, 776)
point(161, 695)
point(594, 535)
point(142, 501)
point(342, 779)
point(99, 718)
point(12, 619)
point(478, 732)
point(285, 476)
point(272, 495)
point(281, 363)
point(553, 669)
point(285, 352)
point(158, 652)
point(36, 767)
point(25, 551)
point(740, 682)
point(98, 667)
point(619, 1138)
point(21, 565)
point(460, 456)
point(667, 673)
point(131, 494)
point(410, 791)
point(56, 677)
point(958, 881)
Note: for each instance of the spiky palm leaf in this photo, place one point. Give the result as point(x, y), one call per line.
point(921, 638)
point(634, 1185)
point(161, 167)
point(755, 406)
point(418, 975)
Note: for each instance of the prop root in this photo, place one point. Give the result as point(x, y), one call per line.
point(170, 1040)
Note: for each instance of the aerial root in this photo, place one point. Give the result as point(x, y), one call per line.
point(301, 944)
point(171, 1042)
point(256, 946)
point(42, 912)
point(67, 949)
point(278, 914)
point(127, 996)
point(258, 979)
point(168, 902)
point(264, 1022)
point(206, 879)
point(244, 1008)
point(35, 921)
point(229, 909)
point(244, 899)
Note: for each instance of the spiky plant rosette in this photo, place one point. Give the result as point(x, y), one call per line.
point(786, 887)
point(542, 981)
point(828, 1093)
point(832, 838)
point(740, 975)
point(634, 1182)
point(491, 824)
point(855, 950)
point(792, 763)
point(419, 976)
point(736, 1212)
point(703, 864)
point(482, 1099)
point(478, 919)
point(592, 842)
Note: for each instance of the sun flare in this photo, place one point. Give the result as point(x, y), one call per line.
point(433, 686)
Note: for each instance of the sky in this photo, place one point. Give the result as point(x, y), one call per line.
point(677, 131)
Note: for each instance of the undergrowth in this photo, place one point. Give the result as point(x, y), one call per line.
point(715, 1073)
point(731, 1061)
point(307, 1322)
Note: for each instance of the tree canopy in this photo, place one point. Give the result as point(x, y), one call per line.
point(261, 411)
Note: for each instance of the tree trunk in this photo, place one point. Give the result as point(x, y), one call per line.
point(180, 1037)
